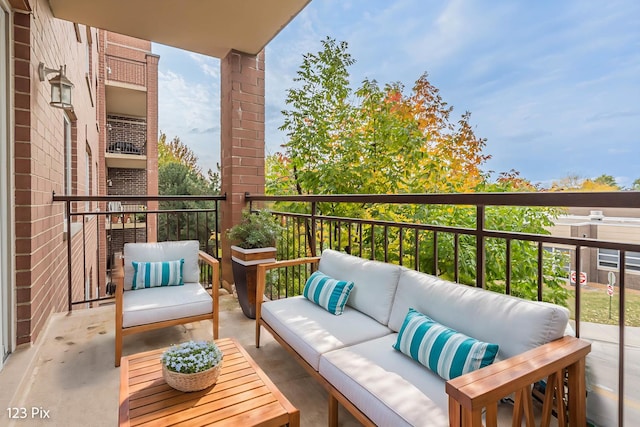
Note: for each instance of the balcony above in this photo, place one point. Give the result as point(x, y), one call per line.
point(126, 99)
point(121, 160)
point(209, 27)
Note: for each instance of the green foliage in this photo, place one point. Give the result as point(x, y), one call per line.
point(607, 180)
point(179, 175)
point(377, 140)
point(257, 230)
point(636, 185)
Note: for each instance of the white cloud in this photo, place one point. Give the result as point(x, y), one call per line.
point(190, 110)
point(553, 86)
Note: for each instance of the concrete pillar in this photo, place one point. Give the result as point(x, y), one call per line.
point(242, 140)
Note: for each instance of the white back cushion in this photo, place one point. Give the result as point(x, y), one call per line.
point(163, 251)
point(516, 325)
point(375, 282)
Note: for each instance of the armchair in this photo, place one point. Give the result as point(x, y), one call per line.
point(152, 302)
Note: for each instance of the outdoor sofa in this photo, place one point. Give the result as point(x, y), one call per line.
point(353, 356)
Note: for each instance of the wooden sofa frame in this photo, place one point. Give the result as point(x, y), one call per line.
point(121, 332)
point(471, 393)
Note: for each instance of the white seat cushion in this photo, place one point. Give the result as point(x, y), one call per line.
point(144, 306)
point(311, 330)
point(391, 388)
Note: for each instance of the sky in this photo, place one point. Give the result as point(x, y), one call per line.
point(554, 86)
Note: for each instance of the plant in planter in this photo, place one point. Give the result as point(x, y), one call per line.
point(255, 238)
point(192, 366)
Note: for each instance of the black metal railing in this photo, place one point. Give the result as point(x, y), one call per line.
point(97, 227)
point(124, 147)
point(310, 227)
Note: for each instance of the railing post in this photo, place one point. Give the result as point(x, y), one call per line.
point(480, 252)
point(67, 207)
point(578, 296)
point(312, 237)
point(621, 342)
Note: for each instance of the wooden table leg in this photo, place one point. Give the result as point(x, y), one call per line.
point(455, 416)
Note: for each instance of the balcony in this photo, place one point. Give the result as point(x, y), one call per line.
point(84, 338)
point(70, 373)
point(126, 86)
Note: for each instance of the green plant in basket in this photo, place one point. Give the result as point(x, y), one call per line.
point(192, 357)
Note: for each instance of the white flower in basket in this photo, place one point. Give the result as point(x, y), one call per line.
point(192, 366)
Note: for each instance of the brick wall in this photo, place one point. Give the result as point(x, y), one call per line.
point(41, 256)
point(242, 137)
point(101, 114)
point(127, 131)
point(127, 181)
point(152, 140)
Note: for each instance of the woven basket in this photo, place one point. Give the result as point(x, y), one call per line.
point(191, 382)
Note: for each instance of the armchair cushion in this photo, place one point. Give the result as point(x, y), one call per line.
point(163, 251)
point(162, 273)
point(153, 305)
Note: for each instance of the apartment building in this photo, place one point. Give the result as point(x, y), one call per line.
point(131, 139)
point(101, 141)
point(607, 225)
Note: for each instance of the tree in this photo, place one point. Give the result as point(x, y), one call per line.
point(576, 183)
point(175, 151)
point(571, 182)
point(607, 180)
point(377, 140)
point(636, 185)
point(179, 174)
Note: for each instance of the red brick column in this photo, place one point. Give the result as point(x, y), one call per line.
point(242, 140)
point(152, 142)
point(101, 173)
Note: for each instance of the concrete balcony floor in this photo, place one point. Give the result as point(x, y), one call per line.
point(70, 372)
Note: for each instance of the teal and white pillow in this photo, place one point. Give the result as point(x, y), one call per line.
point(152, 274)
point(328, 293)
point(443, 350)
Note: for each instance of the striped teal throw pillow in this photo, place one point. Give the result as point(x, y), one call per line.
point(152, 274)
point(444, 351)
point(328, 293)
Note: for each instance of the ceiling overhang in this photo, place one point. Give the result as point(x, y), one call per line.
point(209, 27)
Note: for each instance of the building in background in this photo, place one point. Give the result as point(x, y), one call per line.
point(130, 97)
point(607, 225)
point(103, 142)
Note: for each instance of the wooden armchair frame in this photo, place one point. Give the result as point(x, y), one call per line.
point(121, 332)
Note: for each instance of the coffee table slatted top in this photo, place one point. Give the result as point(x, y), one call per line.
point(243, 394)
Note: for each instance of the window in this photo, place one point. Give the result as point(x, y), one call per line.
point(610, 258)
point(67, 155)
point(87, 178)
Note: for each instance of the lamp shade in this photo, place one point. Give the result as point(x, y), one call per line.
point(61, 90)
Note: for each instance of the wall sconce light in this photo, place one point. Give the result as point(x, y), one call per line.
point(109, 183)
point(60, 86)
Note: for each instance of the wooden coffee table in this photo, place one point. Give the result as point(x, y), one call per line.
point(242, 396)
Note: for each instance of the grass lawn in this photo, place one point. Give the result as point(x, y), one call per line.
point(595, 305)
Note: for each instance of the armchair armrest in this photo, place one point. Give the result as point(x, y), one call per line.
point(261, 276)
point(215, 285)
point(470, 393)
point(117, 276)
